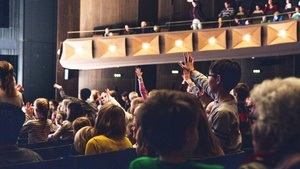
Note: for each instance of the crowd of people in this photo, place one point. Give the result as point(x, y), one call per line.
point(234, 13)
point(210, 116)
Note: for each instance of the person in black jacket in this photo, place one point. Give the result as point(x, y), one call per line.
point(196, 14)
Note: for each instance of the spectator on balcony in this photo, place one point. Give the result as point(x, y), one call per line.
point(270, 8)
point(226, 14)
point(296, 15)
point(107, 32)
point(257, 11)
point(277, 17)
point(144, 28)
point(127, 31)
point(196, 14)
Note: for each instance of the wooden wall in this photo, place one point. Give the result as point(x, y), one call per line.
point(107, 12)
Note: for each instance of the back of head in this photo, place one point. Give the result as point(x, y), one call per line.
point(11, 124)
point(7, 81)
point(42, 108)
point(80, 122)
point(133, 95)
point(242, 92)
point(166, 117)
point(229, 70)
point(110, 121)
point(75, 110)
point(85, 93)
point(277, 104)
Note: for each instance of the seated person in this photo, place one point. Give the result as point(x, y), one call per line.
point(226, 14)
point(169, 122)
point(296, 15)
point(127, 31)
point(277, 17)
point(107, 32)
point(257, 11)
point(276, 129)
point(10, 126)
point(144, 28)
point(109, 133)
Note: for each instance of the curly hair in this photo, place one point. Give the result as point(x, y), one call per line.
point(277, 104)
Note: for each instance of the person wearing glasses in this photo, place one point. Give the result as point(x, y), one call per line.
point(223, 76)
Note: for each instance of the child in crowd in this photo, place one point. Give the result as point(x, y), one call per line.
point(223, 76)
point(39, 128)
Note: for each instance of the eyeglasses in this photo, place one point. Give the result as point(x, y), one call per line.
point(212, 75)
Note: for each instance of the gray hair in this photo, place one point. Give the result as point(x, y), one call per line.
point(277, 103)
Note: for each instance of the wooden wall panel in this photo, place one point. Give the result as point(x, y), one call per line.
point(165, 11)
point(102, 12)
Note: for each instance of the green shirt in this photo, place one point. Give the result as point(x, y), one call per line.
point(154, 163)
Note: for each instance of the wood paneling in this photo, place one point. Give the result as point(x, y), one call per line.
point(102, 12)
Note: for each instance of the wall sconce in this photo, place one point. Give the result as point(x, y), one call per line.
point(178, 42)
point(144, 45)
point(211, 40)
point(246, 37)
point(285, 32)
point(110, 47)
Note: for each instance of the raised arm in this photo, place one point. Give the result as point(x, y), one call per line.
point(142, 88)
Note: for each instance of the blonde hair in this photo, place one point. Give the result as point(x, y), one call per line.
point(42, 108)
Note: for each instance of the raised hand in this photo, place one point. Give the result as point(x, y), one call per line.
point(138, 72)
point(188, 63)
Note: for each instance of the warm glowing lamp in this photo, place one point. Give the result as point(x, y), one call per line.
point(112, 48)
point(212, 40)
point(145, 46)
point(178, 43)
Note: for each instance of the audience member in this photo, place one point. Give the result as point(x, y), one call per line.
point(8, 91)
point(276, 131)
point(270, 8)
point(238, 22)
point(94, 99)
point(296, 15)
point(257, 11)
point(133, 95)
point(277, 17)
point(126, 100)
point(53, 104)
point(226, 14)
point(109, 133)
point(65, 132)
point(60, 117)
point(10, 126)
point(144, 28)
point(196, 14)
point(142, 88)
point(85, 93)
point(107, 32)
point(169, 122)
point(80, 122)
point(241, 93)
point(39, 129)
point(223, 76)
point(127, 31)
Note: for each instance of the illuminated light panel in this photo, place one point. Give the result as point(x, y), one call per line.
point(175, 72)
point(247, 38)
point(112, 48)
point(212, 40)
point(117, 75)
point(282, 33)
point(145, 45)
point(79, 51)
point(256, 71)
point(178, 43)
